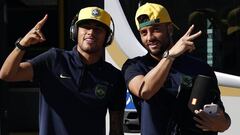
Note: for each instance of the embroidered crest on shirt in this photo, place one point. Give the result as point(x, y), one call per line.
point(100, 91)
point(187, 81)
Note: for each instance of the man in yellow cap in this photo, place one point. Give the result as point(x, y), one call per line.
point(163, 79)
point(78, 86)
point(230, 45)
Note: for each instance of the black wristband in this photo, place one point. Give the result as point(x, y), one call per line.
point(19, 46)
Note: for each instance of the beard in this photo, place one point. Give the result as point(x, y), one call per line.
point(156, 53)
point(90, 49)
point(162, 47)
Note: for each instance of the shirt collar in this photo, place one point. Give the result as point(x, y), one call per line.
point(149, 60)
point(152, 62)
point(79, 62)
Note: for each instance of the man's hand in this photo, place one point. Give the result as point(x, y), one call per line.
point(217, 122)
point(185, 43)
point(35, 35)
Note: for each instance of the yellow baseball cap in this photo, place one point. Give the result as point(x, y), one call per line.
point(94, 13)
point(151, 13)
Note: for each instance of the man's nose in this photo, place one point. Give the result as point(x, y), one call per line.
point(149, 36)
point(90, 31)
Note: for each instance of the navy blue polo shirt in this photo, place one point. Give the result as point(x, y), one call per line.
point(168, 106)
point(76, 96)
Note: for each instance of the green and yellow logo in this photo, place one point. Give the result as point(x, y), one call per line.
point(100, 91)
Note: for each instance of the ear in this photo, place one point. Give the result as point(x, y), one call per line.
point(170, 29)
point(170, 33)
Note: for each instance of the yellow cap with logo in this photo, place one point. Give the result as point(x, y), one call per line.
point(151, 13)
point(94, 13)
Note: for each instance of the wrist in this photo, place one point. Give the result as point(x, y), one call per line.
point(19, 46)
point(227, 122)
point(167, 55)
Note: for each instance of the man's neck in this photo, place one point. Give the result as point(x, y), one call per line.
point(157, 57)
point(90, 58)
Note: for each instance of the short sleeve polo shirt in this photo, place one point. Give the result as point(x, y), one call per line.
point(75, 96)
point(157, 112)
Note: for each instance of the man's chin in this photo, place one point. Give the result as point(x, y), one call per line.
point(156, 52)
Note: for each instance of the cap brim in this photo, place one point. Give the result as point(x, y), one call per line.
point(87, 21)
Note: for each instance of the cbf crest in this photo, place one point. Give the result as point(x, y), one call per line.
point(100, 91)
point(187, 81)
point(95, 12)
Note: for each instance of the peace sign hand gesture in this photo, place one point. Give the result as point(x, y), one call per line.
point(35, 35)
point(185, 43)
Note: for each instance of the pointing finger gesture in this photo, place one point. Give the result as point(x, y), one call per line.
point(35, 35)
